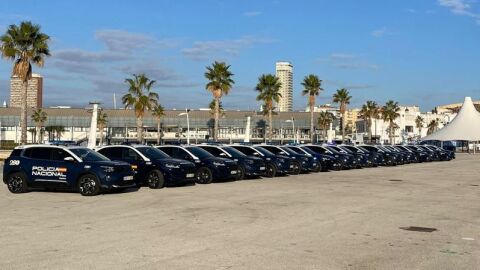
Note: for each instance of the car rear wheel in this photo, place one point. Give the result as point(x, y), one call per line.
point(297, 168)
point(204, 176)
point(155, 179)
point(317, 167)
point(270, 170)
point(88, 185)
point(241, 173)
point(17, 183)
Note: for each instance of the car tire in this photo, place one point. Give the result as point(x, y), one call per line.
point(317, 168)
point(240, 173)
point(270, 170)
point(204, 176)
point(297, 168)
point(88, 185)
point(155, 179)
point(17, 183)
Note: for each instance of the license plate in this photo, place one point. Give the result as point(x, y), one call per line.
point(127, 178)
point(190, 175)
point(291, 166)
point(233, 172)
point(262, 168)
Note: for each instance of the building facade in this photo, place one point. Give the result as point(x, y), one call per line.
point(284, 72)
point(74, 125)
point(34, 92)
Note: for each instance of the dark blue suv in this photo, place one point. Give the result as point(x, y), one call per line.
point(209, 168)
point(153, 167)
point(248, 166)
point(64, 168)
point(273, 163)
point(326, 162)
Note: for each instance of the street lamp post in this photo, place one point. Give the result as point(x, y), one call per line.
point(188, 124)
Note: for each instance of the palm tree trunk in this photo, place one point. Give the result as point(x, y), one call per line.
point(270, 121)
point(325, 134)
point(39, 133)
point(23, 114)
point(139, 129)
point(311, 124)
point(217, 116)
point(343, 127)
point(158, 132)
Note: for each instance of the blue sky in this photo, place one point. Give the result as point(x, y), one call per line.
point(422, 52)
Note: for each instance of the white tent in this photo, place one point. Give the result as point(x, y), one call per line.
point(464, 127)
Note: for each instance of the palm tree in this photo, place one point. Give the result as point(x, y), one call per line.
point(342, 97)
point(368, 112)
point(433, 126)
point(158, 112)
point(219, 83)
point(141, 98)
point(324, 120)
point(24, 44)
point(312, 87)
point(39, 116)
point(389, 114)
point(101, 124)
point(269, 92)
point(211, 106)
point(419, 123)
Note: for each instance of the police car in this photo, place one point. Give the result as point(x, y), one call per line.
point(209, 167)
point(61, 167)
point(153, 167)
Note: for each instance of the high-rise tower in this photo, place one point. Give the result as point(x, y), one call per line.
point(284, 72)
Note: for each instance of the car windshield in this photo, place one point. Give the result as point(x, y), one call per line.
point(308, 150)
point(233, 152)
point(86, 154)
point(290, 151)
point(295, 149)
point(152, 153)
point(345, 149)
point(331, 149)
point(264, 151)
point(199, 152)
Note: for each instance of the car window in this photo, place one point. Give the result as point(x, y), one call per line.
point(272, 149)
point(246, 150)
point(199, 152)
point(233, 152)
point(295, 149)
point(86, 154)
point(113, 153)
point(38, 153)
point(316, 149)
point(16, 152)
point(130, 154)
point(152, 153)
point(212, 150)
point(167, 150)
point(181, 154)
point(59, 154)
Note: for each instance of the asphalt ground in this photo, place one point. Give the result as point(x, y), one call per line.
point(356, 219)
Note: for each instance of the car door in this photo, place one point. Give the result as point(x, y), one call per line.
point(43, 170)
point(137, 162)
point(180, 153)
point(67, 164)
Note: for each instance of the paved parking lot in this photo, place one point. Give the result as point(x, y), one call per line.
point(337, 220)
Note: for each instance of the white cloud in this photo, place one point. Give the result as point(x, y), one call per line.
point(460, 7)
point(348, 61)
point(380, 32)
point(124, 41)
point(202, 50)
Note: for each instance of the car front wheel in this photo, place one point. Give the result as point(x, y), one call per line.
point(155, 179)
point(88, 185)
point(270, 170)
point(204, 176)
point(17, 183)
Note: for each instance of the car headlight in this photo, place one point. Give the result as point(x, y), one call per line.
point(314, 158)
point(172, 166)
point(108, 169)
point(218, 163)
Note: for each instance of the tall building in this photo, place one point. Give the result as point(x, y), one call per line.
point(34, 92)
point(284, 72)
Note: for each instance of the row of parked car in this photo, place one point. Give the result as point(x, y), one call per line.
point(124, 166)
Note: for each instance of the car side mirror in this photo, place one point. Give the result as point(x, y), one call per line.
point(69, 159)
point(222, 155)
point(255, 153)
